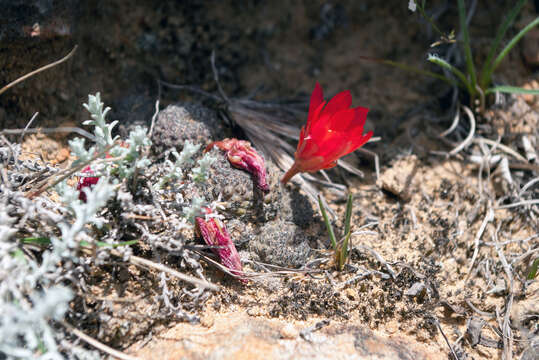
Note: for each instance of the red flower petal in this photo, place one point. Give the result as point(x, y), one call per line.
point(342, 120)
point(341, 101)
point(313, 119)
point(317, 98)
point(358, 142)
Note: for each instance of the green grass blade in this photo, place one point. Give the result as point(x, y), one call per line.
point(36, 240)
point(533, 269)
point(511, 90)
point(348, 214)
point(470, 67)
point(115, 245)
point(344, 250)
point(18, 254)
point(328, 224)
point(511, 44)
point(410, 68)
point(485, 78)
point(459, 74)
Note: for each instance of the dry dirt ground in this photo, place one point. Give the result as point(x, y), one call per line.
point(411, 286)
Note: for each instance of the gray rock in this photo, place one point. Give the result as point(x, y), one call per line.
point(180, 122)
point(248, 203)
point(237, 188)
point(281, 243)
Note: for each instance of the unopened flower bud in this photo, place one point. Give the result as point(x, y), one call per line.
point(243, 156)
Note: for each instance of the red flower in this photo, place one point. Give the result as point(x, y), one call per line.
point(89, 181)
point(214, 233)
point(333, 130)
point(86, 181)
point(242, 155)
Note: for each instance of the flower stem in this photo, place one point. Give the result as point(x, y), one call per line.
point(289, 174)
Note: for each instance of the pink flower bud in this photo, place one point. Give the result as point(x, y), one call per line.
point(243, 156)
point(86, 181)
point(214, 233)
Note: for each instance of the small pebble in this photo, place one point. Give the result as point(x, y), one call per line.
point(253, 311)
point(207, 321)
point(62, 155)
point(289, 331)
point(351, 294)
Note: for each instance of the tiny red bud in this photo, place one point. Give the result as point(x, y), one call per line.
point(243, 156)
point(86, 181)
point(214, 233)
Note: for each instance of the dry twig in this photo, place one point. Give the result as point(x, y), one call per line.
point(43, 68)
point(96, 344)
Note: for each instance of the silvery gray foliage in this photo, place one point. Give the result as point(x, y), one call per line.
point(80, 152)
point(102, 130)
point(83, 213)
point(129, 157)
point(175, 169)
point(195, 209)
point(24, 325)
point(126, 157)
point(25, 310)
point(199, 173)
point(31, 301)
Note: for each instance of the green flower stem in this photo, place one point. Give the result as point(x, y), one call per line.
point(421, 9)
point(343, 253)
point(413, 69)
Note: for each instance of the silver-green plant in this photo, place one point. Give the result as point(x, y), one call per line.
point(129, 157)
point(200, 172)
point(29, 298)
point(126, 156)
point(102, 130)
point(74, 232)
point(194, 209)
point(174, 170)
